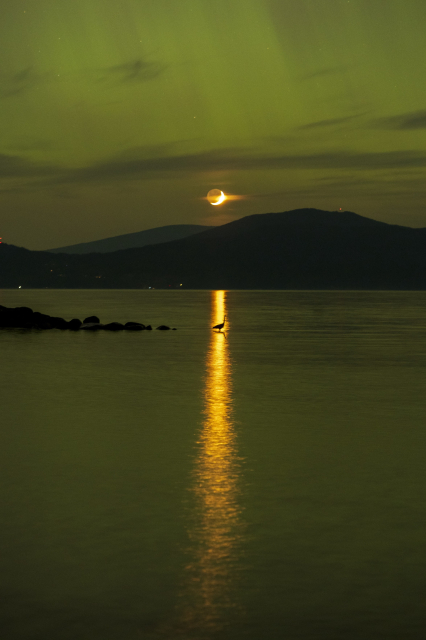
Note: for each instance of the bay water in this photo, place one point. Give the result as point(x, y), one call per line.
point(264, 481)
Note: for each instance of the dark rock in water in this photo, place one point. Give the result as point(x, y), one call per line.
point(58, 323)
point(5, 320)
point(26, 318)
point(174, 329)
point(113, 326)
point(21, 317)
point(41, 320)
point(91, 326)
point(134, 326)
point(23, 312)
point(74, 324)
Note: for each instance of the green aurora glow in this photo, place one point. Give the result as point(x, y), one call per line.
point(120, 116)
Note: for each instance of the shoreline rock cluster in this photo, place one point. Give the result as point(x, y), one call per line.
point(26, 318)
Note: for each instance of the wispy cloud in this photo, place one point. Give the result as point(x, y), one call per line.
point(27, 143)
point(326, 71)
point(17, 167)
point(161, 150)
point(331, 122)
point(129, 72)
point(13, 84)
point(404, 121)
point(234, 159)
point(134, 71)
point(378, 186)
point(237, 159)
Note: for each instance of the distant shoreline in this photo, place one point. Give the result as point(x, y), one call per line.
point(304, 249)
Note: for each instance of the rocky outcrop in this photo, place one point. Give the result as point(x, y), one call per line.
point(74, 324)
point(58, 323)
point(26, 318)
point(114, 326)
point(134, 326)
point(19, 317)
point(91, 326)
point(91, 319)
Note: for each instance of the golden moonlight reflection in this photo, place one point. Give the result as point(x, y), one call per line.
point(216, 526)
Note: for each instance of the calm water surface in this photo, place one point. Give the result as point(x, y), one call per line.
point(266, 482)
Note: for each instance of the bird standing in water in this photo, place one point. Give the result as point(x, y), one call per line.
point(221, 325)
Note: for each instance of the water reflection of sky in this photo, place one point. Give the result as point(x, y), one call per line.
point(216, 528)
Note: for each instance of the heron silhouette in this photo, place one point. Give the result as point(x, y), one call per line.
point(221, 325)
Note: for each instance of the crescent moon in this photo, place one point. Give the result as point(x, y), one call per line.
point(222, 198)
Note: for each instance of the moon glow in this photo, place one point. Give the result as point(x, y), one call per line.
point(216, 196)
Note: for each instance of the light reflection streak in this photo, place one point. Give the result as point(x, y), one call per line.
point(216, 529)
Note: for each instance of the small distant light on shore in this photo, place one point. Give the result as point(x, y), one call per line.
point(19, 287)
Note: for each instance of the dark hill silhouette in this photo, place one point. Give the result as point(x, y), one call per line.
point(167, 233)
point(301, 249)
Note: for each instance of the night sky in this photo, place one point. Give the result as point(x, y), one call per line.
point(119, 116)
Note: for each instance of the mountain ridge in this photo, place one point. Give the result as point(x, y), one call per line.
point(157, 235)
point(299, 249)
